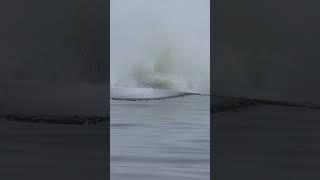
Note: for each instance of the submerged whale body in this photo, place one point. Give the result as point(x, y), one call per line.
point(119, 93)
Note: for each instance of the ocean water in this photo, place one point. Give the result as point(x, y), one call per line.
point(165, 139)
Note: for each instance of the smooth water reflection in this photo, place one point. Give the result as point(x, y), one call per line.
point(162, 139)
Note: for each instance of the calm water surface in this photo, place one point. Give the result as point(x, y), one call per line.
point(161, 140)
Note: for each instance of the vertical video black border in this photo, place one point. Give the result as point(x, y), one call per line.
point(108, 85)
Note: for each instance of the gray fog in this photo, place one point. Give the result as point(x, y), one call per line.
point(168, 40)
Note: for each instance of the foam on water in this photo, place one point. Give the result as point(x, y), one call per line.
point(143, 93)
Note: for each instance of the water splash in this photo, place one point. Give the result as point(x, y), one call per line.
point(160, 44)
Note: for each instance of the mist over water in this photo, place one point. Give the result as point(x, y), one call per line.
point(160, 44)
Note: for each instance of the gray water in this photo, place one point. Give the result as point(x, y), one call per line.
point(161, 140)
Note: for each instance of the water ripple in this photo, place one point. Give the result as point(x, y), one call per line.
point(168, 139)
